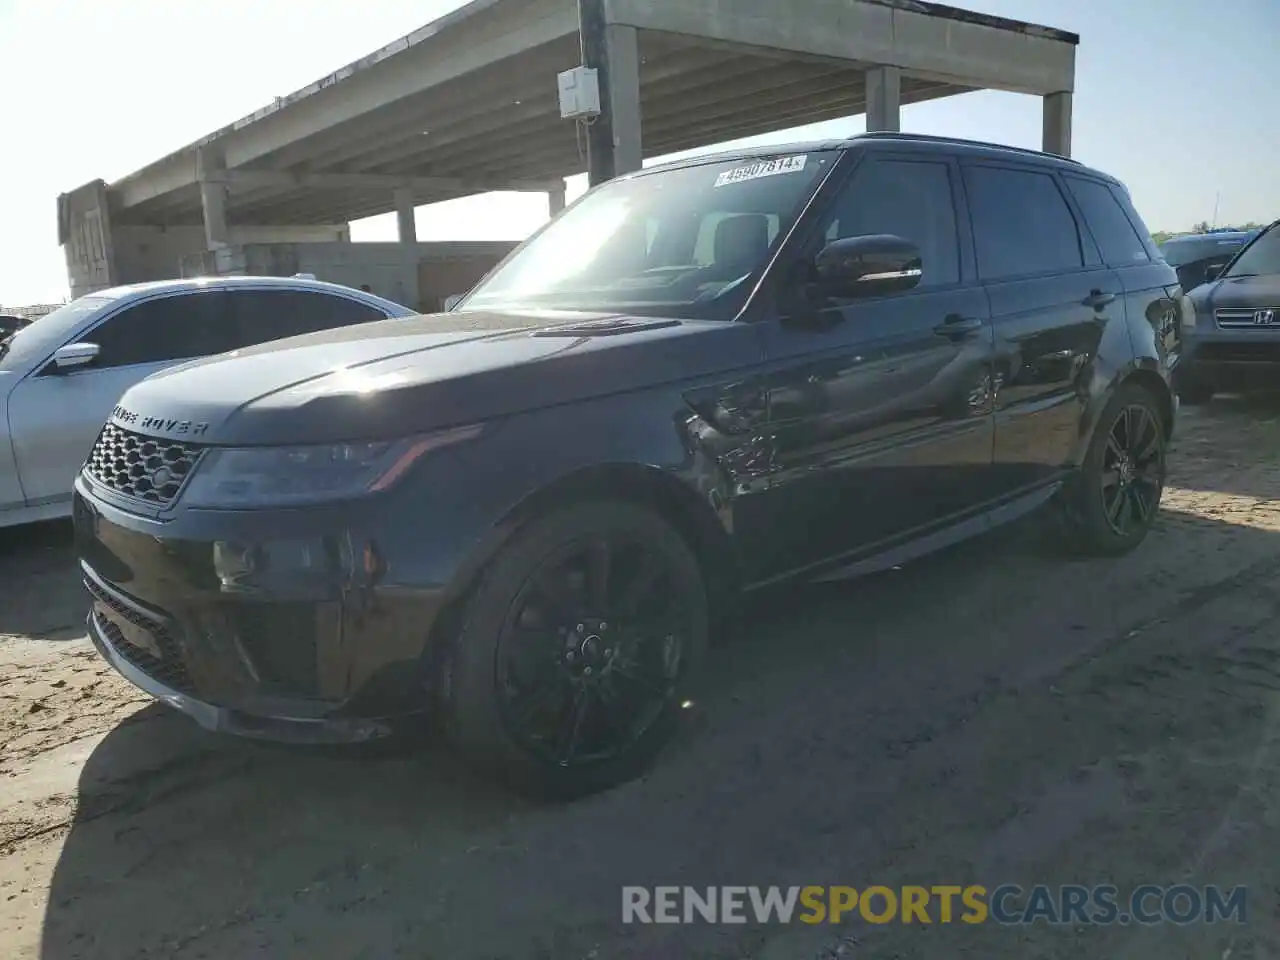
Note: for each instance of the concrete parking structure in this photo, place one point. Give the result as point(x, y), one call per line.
point(468, 104)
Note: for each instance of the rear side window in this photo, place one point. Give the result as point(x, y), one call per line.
point(263, 315)
point(1117, 240)
point(170, 328)
point(1022, 225)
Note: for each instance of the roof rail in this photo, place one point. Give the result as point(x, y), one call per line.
point(933, 138)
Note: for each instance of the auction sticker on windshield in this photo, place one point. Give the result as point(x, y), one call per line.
point(762, 168)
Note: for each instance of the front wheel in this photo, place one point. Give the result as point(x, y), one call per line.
point(1109, 506)
point(580, 646)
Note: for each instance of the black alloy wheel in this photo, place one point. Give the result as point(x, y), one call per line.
point(579, 649)
point(1132, 476)
point(1110, 504)
point(591, 653)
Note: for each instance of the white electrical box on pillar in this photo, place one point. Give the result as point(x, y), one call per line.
point(579, 93)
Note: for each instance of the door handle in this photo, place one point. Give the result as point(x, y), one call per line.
point(954, 325)
point(1097, 299)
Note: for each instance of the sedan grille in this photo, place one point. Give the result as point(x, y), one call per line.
point(146, 468)
point(1258, 317)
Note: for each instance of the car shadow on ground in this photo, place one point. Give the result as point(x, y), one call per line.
point(839, 732)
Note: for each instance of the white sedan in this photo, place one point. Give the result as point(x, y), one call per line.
point(60, 377)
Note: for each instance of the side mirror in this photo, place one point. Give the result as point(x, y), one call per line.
point(867, 266)
point(74, 355)
point(1213, 271)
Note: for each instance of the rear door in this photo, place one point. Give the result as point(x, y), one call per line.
point(261, 315)
point(1052, 302)
point(55, 416)
point(1126, 246)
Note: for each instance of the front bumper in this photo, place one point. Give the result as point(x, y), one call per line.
point(1231, 361)
point(288, 626)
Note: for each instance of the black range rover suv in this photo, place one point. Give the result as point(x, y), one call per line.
point(525, 517)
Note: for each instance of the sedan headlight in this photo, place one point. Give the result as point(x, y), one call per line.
point(248, 477)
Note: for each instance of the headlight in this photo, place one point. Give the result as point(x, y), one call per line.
point(1187, 310)
point(229, 477)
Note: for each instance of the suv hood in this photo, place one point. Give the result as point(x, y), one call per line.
point(411, 375)
point(1239, 292)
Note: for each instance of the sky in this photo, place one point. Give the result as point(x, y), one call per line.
point(1177, 98)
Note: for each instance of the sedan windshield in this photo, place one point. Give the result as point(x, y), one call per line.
point(45, 334)
point(682, 242)
point(1260, 258)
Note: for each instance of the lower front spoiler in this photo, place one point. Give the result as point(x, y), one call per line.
point(281, 729)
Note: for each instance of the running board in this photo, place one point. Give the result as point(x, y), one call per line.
point(940, 539)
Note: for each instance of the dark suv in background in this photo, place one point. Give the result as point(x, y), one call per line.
point(1200, 257)
point(1233, 331)
point(527, 516)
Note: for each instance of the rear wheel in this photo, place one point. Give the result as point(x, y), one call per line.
point(579, 647)
point(1109, 506)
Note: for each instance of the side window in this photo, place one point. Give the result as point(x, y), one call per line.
point(911, 199)
point(169, 328)
point(264, 315)
point(1109, 224)
point(1021, 223)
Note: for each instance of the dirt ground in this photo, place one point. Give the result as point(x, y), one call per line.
point(991, 714)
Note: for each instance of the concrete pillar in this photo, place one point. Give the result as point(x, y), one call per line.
point(212, 173)
point(1056, 109)
point(624, 97)
point(555, 201)
point(408, 226)
point(884, 100)
point(612, 50)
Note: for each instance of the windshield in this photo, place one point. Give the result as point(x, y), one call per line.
point(1260, 258)
point(1180, 252)
point(45, 334)
point(682, 242)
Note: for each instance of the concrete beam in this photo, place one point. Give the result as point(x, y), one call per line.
point(967, 51)
point(376, 181)
point(884, 100)
point(1056, 136)
point(470, 44)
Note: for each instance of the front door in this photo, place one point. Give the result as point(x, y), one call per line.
point(880, 413)
point(55, 416)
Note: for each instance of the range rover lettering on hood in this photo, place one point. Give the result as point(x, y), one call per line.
point(187, 428)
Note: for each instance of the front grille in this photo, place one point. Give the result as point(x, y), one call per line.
point(169, 668)
point(1248, 317)
point(146, 468)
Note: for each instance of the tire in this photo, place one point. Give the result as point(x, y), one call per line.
point(530, 637)
point(1091, 519)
